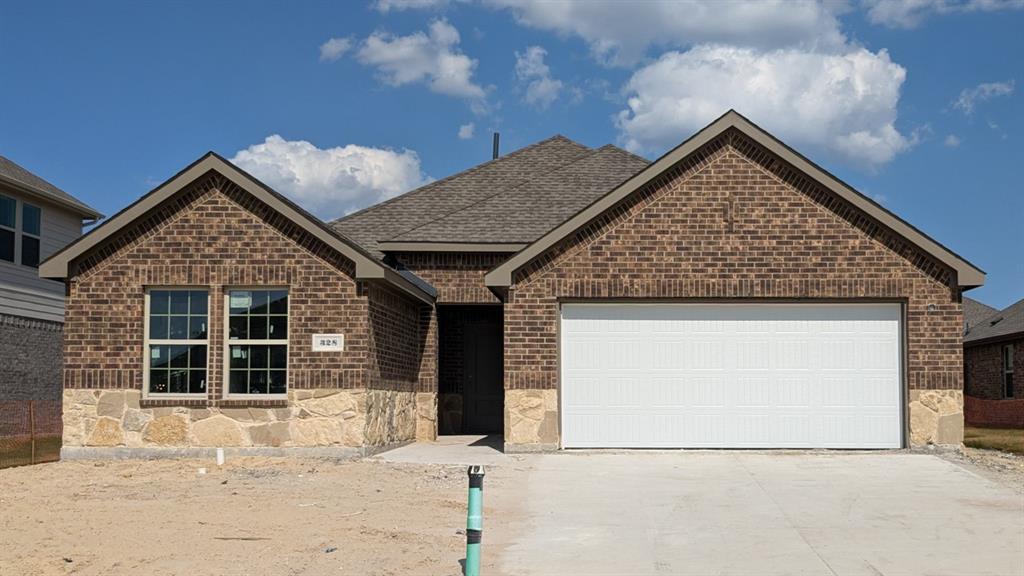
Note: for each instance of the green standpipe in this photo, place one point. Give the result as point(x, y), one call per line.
point(474, 520)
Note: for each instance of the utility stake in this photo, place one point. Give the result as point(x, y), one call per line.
point(474, 520)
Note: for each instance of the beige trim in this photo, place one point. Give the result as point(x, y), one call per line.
point(968, 276)
point(393, 246)
point(367, 267)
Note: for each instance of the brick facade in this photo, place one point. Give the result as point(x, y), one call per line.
point(215, 236)
point(983, 369)
point(458, 276)
point(30, 351)
point(730, 222)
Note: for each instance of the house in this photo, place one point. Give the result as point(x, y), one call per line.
point(36, 220)
point(993, 356)
point(729, 294)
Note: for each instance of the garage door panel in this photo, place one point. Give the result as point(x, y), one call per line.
point(731, 376)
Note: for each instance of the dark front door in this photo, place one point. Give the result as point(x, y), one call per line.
point(471, 373)
point(483, 390)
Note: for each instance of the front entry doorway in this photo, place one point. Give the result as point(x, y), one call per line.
point(471, 371)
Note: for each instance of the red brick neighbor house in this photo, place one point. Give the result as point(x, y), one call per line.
point(729, 294)
point(994, 364)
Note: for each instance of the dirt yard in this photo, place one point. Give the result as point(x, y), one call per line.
point(252, 516)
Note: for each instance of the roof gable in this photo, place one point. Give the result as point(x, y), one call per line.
point(968, 275)
point(367, 267)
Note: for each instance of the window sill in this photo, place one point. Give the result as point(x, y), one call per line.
point(172, 401)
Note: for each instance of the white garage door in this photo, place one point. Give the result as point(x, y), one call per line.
point(731, 375)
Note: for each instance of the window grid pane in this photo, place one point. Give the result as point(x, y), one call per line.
point(258, 368)
point(30, 251)
point(30, 219)
point(176, 315)
point(8, 206)
point(177, 369)
point(7, 245)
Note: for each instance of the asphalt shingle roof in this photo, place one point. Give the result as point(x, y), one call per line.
point(526, 211)
point(524, 194)
point(1005, 322)
point(11, 171)
point(975, 312)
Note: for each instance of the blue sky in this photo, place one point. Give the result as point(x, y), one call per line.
point(340, 105)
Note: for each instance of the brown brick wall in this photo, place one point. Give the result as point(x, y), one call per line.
point(734, 222)
point(458, 277)
point(216, 236)
point(396, 341)
point(983, 369)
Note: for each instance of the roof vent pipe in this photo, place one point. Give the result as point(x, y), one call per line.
point(494, 154)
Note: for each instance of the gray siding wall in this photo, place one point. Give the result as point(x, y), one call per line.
point(22, 292)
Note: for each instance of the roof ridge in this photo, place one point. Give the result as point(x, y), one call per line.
point(624, 151)
point(580, 158)
point(469, 170)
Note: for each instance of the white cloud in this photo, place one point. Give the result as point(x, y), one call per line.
point(541, 88)
point(466, 131)
point(431, 58)
point(969, 97)
point(334, 48)
point(620, 33)
point(952, 141)
point(399, 5)
point(331, 182)
point(844, 103)
point(910, 13)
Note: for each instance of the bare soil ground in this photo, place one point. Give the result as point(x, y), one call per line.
point(1004, 468)
point(251, 516)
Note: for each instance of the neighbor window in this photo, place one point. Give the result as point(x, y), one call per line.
point(176, 341)
point(30, 226)
point(1008, 371)
point(257, 355)
point(8, 223)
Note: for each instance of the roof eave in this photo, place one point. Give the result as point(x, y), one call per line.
point(404, 246)
point(80, 208)
point(366, 266)
point(968, 275)
point(993, 339)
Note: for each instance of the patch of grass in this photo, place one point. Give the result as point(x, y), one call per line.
point(1005, 439)
point(20, 453)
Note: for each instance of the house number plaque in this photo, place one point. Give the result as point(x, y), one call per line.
point(328, 342)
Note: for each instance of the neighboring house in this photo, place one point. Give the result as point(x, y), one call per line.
point(36, 220)
point(994, 365)
point(729, 294)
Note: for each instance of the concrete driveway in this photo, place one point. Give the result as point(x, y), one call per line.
point(744, 513)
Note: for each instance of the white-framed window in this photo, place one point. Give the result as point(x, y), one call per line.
point(1008, 391)
point(177, 341)
point(8, 227)
point(256, 346)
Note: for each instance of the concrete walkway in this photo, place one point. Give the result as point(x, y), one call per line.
point(746, 513)
point(450, 450)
